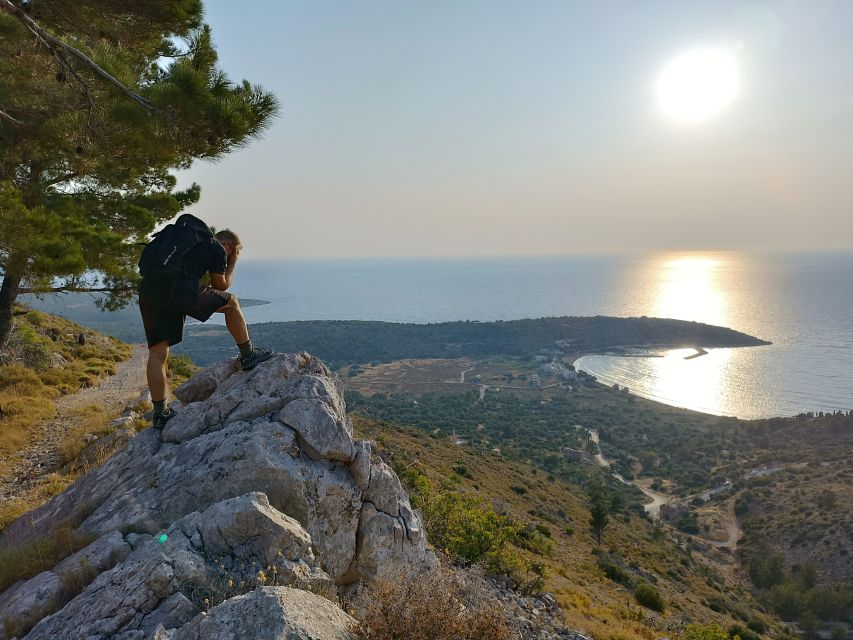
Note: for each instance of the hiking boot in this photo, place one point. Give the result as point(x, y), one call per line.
point(159, 420)
point(256, 357)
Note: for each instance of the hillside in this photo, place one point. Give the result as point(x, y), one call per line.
point(593, 584)
point(47, 358)
point(781, 485)
point(476, 455)
point(63, 390)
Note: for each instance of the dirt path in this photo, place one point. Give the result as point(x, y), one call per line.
point(730, 524)
point(41, 456)
point(658, 499)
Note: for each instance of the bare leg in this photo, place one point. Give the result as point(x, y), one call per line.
point(235, 321)
point(158, 382)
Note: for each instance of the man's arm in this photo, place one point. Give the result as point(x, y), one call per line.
point(222, 281)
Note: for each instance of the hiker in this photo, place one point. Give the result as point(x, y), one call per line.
point(172, 267)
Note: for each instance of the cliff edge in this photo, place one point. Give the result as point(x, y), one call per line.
point(245, 517)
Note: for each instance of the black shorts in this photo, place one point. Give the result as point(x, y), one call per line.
point(164, 312)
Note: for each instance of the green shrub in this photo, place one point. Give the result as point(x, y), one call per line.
point(613, 566)
point(717, 603)
point(704, 632)
point(35, 318)
point(743, 633)
point(648, 596)
point(32, 349)
point(181, 368)
point(759, 626)
point(462, 470)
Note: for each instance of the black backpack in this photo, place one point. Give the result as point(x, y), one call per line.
point(163, 257)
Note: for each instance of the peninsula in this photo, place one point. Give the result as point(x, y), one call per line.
point(342, 342)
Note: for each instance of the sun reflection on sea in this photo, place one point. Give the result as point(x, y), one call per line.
point(690, 289)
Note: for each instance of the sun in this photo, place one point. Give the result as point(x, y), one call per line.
point(698, 85)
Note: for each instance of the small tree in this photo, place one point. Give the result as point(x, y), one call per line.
point(89, 134)
point(648, 596)
point(599, 507)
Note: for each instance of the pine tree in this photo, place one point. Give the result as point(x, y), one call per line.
point(99, 102)
point(599, 507)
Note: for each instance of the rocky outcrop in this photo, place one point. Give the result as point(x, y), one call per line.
point(269, 613)
point(257, 481)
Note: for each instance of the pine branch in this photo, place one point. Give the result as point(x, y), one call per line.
point(64, 178)
point(53, 43)
point(5, 115)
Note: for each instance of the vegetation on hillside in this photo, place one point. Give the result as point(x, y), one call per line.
point(596, 586)
point(342, 342)
point(46, 357)
point(524, 426)
point(793, 502)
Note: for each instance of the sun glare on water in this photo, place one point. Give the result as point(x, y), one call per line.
point(698, 85)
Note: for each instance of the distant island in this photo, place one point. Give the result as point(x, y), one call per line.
point(251, 302)
point(343, 342)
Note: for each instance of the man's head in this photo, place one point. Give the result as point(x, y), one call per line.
point(230, 242)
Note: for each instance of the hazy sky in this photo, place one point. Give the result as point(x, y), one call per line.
point(468, 127)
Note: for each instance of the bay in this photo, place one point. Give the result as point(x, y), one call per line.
point(802, 303)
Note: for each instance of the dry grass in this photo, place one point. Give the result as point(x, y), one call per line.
point(24, 562)
point(48, 361)
point(440, 605)
point(24, 401)
point(50, 486)
point(92, 419)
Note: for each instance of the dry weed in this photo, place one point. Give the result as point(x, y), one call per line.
point(21, 563)
point(437, 605)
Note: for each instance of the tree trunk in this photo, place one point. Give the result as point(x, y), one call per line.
point(8, 294)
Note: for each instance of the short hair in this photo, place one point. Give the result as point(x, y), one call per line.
point(229, 236)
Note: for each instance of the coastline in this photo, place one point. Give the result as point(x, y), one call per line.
point(666, 383)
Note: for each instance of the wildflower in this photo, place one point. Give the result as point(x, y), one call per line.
point(262, 577)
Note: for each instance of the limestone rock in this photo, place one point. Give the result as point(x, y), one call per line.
point(204, 554)
point(118, 600)
point(25, 603)
point(360, 468)
point(28, 601)
point(270, 613)
point(387, 545)
point(385, 491)
point(235, 491)
point(99, 556)
point(203, 383)
point(322, 433)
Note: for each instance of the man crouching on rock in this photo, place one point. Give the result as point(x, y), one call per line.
point(172, 267)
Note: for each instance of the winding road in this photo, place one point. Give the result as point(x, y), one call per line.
point(657, 499)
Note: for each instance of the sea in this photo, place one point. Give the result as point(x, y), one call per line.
point(802, 303)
